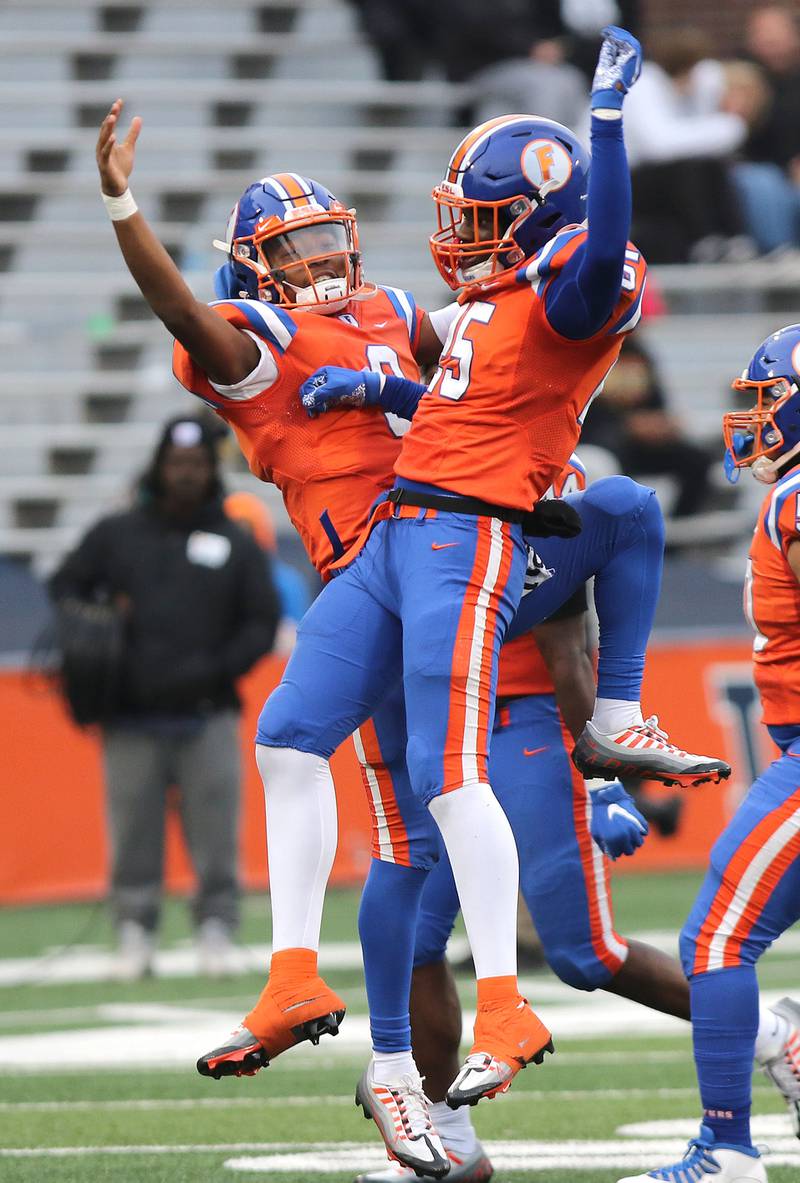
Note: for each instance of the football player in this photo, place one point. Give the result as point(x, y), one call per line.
point(751, 893)
point(440, 571)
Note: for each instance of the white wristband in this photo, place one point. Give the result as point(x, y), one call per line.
point(120, 207)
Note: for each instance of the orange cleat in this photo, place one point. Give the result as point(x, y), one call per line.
point(508, 1037)
point(282, 1017)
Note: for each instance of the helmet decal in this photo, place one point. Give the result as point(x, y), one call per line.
point(796, 358)
point(510, 186)
point(547, 165)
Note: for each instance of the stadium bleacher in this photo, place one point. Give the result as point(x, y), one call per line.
point(229, 93)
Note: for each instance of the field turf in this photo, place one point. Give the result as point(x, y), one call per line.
point(619, 1096)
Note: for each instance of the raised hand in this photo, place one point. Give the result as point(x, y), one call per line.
point(618, 67)
point(115, 158)
point(617, 826)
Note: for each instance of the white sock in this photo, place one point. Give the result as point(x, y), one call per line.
point(773, 1031)
point(483, 856)
point(615, 714)
point(454, 1127)
point(301, 842)
point(390, 1067)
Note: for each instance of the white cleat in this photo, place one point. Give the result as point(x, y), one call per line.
point(784, 1069)
point(643, 751)
point(705, 1160)
point(474, 1168)
point(401, 1113)
point(481, 1075)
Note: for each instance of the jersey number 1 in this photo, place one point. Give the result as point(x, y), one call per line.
point(452, 377)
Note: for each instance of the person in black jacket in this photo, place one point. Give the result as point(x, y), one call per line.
point(198, 610)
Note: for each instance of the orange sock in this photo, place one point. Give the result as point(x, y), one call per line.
point(494, 990)
point(291, 964)
point(288, 969)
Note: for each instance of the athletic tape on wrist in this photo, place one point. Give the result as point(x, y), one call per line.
point(120, 207)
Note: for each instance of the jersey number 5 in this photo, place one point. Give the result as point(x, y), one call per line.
point(452, 377)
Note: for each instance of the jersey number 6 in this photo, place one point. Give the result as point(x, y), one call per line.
point(452, 377)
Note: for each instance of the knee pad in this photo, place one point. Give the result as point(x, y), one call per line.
point(578, 967)
point(285, 722)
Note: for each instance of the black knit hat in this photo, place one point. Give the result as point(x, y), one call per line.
point(184, 431)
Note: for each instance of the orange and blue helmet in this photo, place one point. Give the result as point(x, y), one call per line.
point(765, 437)
point(289, 241)
point(511, 185)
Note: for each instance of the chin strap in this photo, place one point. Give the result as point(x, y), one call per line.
point(323, 292)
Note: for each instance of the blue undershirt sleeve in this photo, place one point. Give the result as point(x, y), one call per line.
point(582, 296)
point(400, 395)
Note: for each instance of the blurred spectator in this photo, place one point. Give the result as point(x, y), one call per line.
point(196, 609)
point(681, 144)
point(293, 592)
point(552, 89)
point(511, 51)
point(584, 21)
point(772, 39)
point(405, 36)
point(458, 37)
point(631, 420)
point(769, 174)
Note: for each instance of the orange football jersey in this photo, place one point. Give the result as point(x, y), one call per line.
point(503, 411)
point(772, 603)
point(522, 668)
point(329, 469)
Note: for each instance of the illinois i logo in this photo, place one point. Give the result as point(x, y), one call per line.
point(547, 165)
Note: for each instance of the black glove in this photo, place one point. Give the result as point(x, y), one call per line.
point(550, 518)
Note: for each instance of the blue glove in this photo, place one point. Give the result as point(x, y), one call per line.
point(617, 826)
point(332, 386)
point(618, 67)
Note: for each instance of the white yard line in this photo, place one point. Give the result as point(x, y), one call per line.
point(164, 1035)
point(764, 1125)
point(507, 1157)
point(306, 1101)
point(171, 1035)
point(325, 1157)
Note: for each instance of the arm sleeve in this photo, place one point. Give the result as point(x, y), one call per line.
point(583, 295)
point(259, 613)
point(442, 318)
point(400, 395)
point(263, 376)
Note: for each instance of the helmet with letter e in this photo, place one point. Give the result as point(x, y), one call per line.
point(290, 242)
point(767, 437)
point(510, 186)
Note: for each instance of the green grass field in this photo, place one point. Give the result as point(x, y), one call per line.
point(593, 1113)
